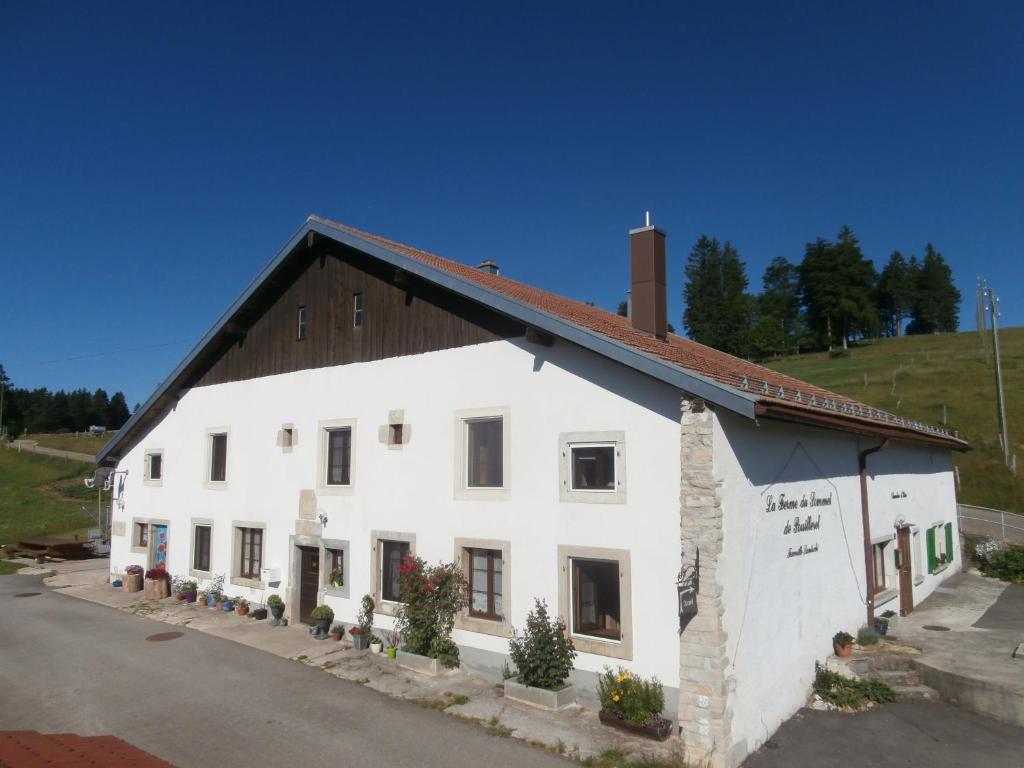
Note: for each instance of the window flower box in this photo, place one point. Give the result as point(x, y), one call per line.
point(541, 698)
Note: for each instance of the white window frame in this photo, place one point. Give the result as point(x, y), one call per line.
point(888, 545)
point(197, 522)
point(918, 556)
point(216, 485)
point(323, 430)
point(569, 440)
point(147, 479)
point(461, 458)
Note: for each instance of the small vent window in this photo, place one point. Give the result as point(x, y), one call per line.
point(357, 310)
point(301, 334)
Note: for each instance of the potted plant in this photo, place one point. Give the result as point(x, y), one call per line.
point(133, 578)
point(188, 590)
point(227, 604)
point(215, 592)
point(276, 606)
point(360, 640)
point(882, 625)
point(632, 704)
point(337, 632)
point(391, 640)
point(241, 606)
point(337, 577)
point(322, 616)
point(376, 644)
point(259, 614)
point(430, 597)
point(201, 597)
point(543, 655)
point(842, 643)
point(156, 583)
point(176, 587)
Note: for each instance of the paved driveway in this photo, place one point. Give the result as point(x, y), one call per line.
point(71, 666)
point(907, 735)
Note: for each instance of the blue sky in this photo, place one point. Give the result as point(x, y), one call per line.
point(154, 157)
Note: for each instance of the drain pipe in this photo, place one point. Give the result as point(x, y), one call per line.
point(869, 564)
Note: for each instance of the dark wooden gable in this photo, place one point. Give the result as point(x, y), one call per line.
point(402, 315)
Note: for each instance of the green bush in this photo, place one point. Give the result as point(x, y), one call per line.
point(321, 612)
point(844, 692)
point(543, 653)
point(635, 698)
point(866, 636)
point(366, 614)
point(274, 601)
point(431, 595)
point(1006, 564)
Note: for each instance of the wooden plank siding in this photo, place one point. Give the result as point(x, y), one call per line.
point(402, 315)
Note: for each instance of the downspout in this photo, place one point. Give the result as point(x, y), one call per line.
point(869, 564)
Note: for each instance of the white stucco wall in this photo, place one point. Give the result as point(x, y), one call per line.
point(548, 391)
point(781, 611)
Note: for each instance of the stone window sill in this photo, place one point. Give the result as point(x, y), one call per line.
point(238, 581)
point(940, 568)
point(885, 597)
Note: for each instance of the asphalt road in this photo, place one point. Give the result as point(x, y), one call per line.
point(67, 665)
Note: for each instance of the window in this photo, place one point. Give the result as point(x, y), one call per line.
point(357, 310)
point(940, 546)
point(218, 457)
point(141, 535)
point(593, 467)
point(485, 588)
point(201, 547)
point(878, 557)
point(287, 437)
point(336, 568)
point(251, 555)
point(301, 333)
point(154, 466)
point(918, 571)
point(484, 442)
point(395, 434)
point(392, 554)
point(595, 599)
point(339, 456)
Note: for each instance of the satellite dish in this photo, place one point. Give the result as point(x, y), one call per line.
point(89, 482)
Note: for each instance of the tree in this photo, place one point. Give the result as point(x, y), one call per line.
point(778, 325)
point(718, 309)
point(837, 286)
point(897, 290)
point(937, 299)
point(117, 411)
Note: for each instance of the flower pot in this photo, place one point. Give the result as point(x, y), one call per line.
point(133, 582)
point(227, 606)
point(179, 597)
point(211, 601)
point(336, 635)
point(842, 651)
point(117, 583)
point(242, 610)
point(882, 627)
point(392, 652)
point(376, 647)
point(656, 727)
point(360, 641)
point(277, 611)
point(323, 626)
point(155, 589)
point(259, 614)
point(190, 597)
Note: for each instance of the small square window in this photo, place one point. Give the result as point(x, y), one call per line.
point(286, 437)
point(301, 334)
point(392, 554)
point(395, 434)
point(357, 310)
point(218, 457)
point(593, 468)
point(595, 599)
point(484, 447)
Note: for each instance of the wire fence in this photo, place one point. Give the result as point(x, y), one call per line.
point(996, 523)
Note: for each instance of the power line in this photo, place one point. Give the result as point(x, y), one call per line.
point(117, 352)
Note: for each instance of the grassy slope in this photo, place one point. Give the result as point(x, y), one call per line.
point(41, 495)
point(930, 371)
point(90, 444)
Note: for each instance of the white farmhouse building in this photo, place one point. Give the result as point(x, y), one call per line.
point(362, 399)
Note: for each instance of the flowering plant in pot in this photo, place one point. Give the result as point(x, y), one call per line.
point(392, 638)
point(842, 644)
point(133, 578)
point(156, 585)
point(241, 606)
point(632, 703)
point(430, 596)
point(276, 606)
point(360, 639)
point(337, 632)
point(321, 617)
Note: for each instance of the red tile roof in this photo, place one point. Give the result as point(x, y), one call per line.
point(778, 395)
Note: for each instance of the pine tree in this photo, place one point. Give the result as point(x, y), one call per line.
point(718, 309)
point(837, 286)
point(778, 310)
point(937, 299)
point(117, 412)
point(897, 291)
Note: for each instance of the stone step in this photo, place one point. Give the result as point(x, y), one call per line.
point(893, 677)
point(914, 693)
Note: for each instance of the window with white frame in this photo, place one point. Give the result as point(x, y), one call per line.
point(940, 546)
point(218, 445)
point(154, 466)
point(336, 456)
point(916, 546)
point(881, 559)
point(592, 467)
point(482, 452)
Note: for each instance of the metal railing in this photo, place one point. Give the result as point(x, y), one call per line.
point(997, 523)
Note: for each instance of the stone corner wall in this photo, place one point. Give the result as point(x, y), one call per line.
point(705, 716)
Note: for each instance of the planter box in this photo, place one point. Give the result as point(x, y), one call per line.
point(155, 589)
point(539, 697)
point(422, 664)
point(659, 731)
point(132, 582)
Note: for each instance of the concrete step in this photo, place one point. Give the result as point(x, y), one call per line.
point(914, 693)
point(893, 677)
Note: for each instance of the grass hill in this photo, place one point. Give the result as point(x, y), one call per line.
point(71, 441)
point(915, 376)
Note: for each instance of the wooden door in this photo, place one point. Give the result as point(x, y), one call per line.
point(905, 570)
point(309, 582)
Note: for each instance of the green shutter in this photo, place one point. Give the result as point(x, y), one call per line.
point(930, 538)
point(949, 542)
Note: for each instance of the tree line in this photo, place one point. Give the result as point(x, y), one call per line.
point(834, 295)
point(40, 410)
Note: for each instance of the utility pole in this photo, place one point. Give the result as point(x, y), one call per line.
point(993, 300)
